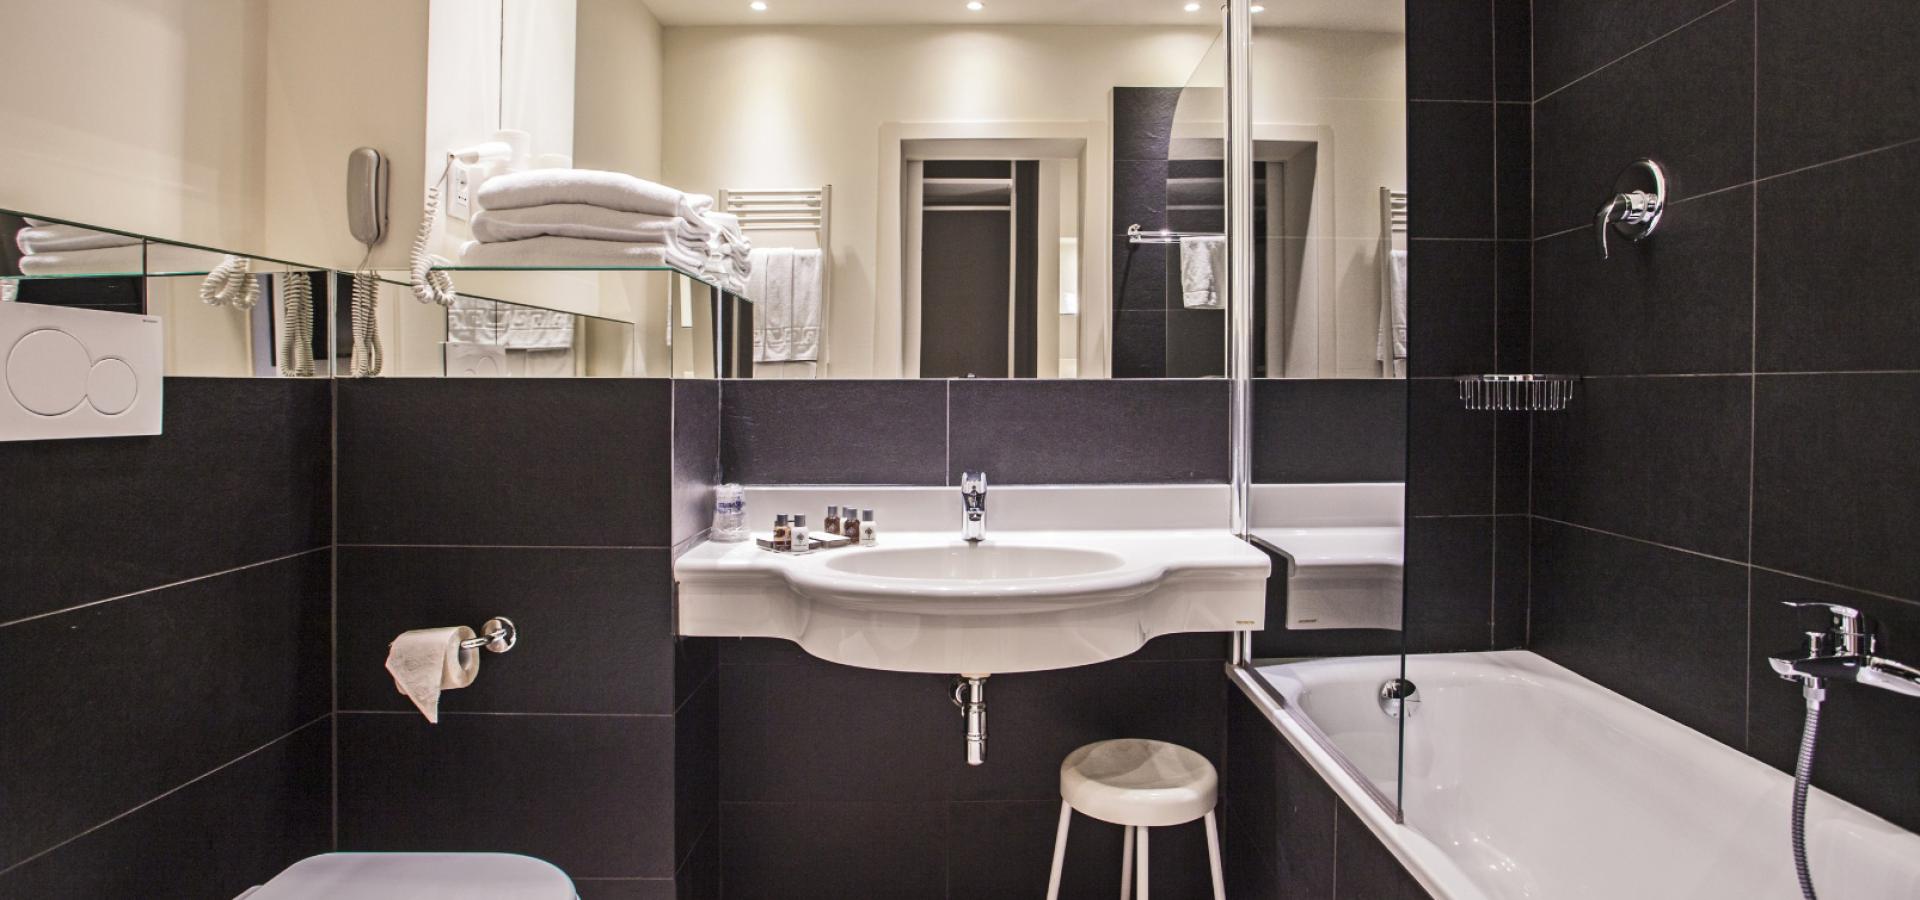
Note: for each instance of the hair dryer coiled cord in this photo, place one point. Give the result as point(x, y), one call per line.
point(296, 325)
point(369, 357)
point(231, 283)
point(430, 285)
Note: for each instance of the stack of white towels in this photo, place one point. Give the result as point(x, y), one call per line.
point(588, 218)
point(50, 248)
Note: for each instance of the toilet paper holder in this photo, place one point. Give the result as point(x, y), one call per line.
point(498, 635)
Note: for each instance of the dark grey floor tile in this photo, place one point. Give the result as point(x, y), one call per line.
point(1450, 51)
point(696, 455)
point(108, 706)
point(834, 432)
point(1450, 452)
point(1661, 459)
point(1364, 869)
point(540, 461)
point(1572, 38)
point(1139, 194)
point(1513, 154)
point(596, 626)
point(1090, 431)
point(1835, 78)
point(1140, 275)
point(1140, 344)
point(1513, 50)
point(1857, 723)
point(589, 794)
point(870, 735)
point(240, 476)
point(1196, 343)
point(1006, 850)
point(216, 837)
point(1143, 121)
point(1454, 158)
point(1640, 619)
point(1701, 81)
point(625, 888)
point(1835, 477)
point(1449, 572)
point(1679, 302)
point(1314, 430)
point(1835, 287)
point(833, 851)
point(1451, 304)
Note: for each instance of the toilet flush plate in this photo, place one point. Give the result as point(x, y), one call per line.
point(78, 373)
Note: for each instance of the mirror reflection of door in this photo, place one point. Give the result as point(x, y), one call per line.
point(978, 242)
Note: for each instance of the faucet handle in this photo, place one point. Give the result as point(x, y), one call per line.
point(1853, 628)
point(973, 482)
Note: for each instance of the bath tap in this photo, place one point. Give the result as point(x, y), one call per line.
point(973, 511)
point(1846, 651)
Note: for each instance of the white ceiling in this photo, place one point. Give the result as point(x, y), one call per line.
point(1355, 15)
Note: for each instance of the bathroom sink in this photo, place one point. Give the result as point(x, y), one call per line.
point(1019, 601)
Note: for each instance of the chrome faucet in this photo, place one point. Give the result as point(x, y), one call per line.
point(973, 506)
point(1848, 651)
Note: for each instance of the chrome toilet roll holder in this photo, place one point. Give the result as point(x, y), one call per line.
point(497, 635)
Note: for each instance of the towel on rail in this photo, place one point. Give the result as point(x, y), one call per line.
point(1203, 271)
point(591, 187)
point(474, 321)
point(61, 238)
point(787, 287)
point(154, 258)
point(565, 251)
point(1390, 346)
point(579, 220)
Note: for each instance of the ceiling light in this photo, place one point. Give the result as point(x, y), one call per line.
point(976, 6)
point(1258, 8)
point(757, 6)
point(1191, 7)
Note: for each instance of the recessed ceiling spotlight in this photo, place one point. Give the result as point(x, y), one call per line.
point(976, 5)
point(1258, 8)
point(757, 6)
point(1191, 7)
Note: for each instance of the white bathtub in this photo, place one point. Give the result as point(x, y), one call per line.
point(1524, 780)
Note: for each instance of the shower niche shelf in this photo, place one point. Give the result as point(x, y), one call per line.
point(1517, 393)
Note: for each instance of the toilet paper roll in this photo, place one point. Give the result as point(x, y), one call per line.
point(426, 661)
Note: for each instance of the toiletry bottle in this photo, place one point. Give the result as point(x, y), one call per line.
point(729, 513)
point(782, 534)
point(832, 524)
point(868, 536)
point(800, 540)
point(850, 521)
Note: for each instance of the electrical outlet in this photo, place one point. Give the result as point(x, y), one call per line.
point(460, 191)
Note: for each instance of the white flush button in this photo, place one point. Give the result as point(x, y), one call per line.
point(47, 372)
point(112, 386)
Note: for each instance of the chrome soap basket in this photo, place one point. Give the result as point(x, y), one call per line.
point(1517, 393)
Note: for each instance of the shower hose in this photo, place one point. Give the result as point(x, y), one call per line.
point(1802, 777)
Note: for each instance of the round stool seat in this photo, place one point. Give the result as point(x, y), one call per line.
point(1142, 783)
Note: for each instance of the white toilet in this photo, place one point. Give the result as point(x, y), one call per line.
point(417, 876)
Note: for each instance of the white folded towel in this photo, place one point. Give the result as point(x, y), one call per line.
point(613, 190)
point(1203, 270)
point(578, 220)
point(1390, 345)
point(59, 238)
point(508, 325)
point(564, 251)
point(787, 287)
point(134, 260)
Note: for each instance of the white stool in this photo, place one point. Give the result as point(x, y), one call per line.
point(1138, 784)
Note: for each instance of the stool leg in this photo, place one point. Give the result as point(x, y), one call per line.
point(1141, 831)
point(1059, 851)
point(1213, 858)
point(1126, 862)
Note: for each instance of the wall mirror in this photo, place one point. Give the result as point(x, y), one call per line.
point(223, 314)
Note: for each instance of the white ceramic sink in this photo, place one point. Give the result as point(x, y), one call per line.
point(1023, 600)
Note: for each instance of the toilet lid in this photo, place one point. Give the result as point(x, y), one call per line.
point(418, 876)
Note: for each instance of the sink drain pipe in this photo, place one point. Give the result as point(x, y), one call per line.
point(970, 694)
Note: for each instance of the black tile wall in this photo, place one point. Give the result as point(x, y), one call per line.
point(1450, 452)
point(1453, 57)
point(1456, 158)
point(834, 432)
point(1573, 38)
point(206, 544)
point(696, 456)
point(1835, 79)
point(1143, 122)
point(1312, 430)
point(1449, 573)
point(1452, 332)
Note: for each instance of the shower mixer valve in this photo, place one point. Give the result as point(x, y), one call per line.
point(1847, 650)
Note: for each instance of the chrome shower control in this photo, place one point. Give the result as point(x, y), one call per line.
point(1639, 199)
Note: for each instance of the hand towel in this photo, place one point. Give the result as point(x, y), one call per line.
point(58, 238)
point(134, 260)
point(564, 251)
point(426, 661)
point(613, 190)
point(807, 306)
point(1203, 271)
point(577, 220)
point(773, 307)
point(1390, 345)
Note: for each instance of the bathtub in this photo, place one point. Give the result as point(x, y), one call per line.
point(1525, 780)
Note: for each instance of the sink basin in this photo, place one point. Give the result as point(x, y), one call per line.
point(1020, 601)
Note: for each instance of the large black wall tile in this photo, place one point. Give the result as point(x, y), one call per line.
point(696, 456)
point(1512, 555)
point(1512, 50)
point(1677, 101)
point(535, 461)
point(1140, 274)
point(1835, 477)
point(1143, 121)
point(1835, 78)
point(108, 706)
point(590, 794)
point(1835, 287)
point(240, 475)
point(1455, 159)
point(1678, 303)
point(1449, 573)
point(1139, 344)
point(869, 735)
point(696, 771)
point(1196, 343)
point(1661, 459)
point(1572, 38)
point(1513, 463)
point(1313, 430)
point(1513, 155)
point(216, 837)
point(1450, 452)
point(1452, 302)
point(832, 851)
point(1513, 321)
point(1450, 56)
point(1364, 869)
point(1857, 723)
point(1090, 432)
point(1139, 195)
point(834, 432)
point(1279, 805)
point(1641, 619)
point(598, 625)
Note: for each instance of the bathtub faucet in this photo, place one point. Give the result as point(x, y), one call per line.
point(1846, 651)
